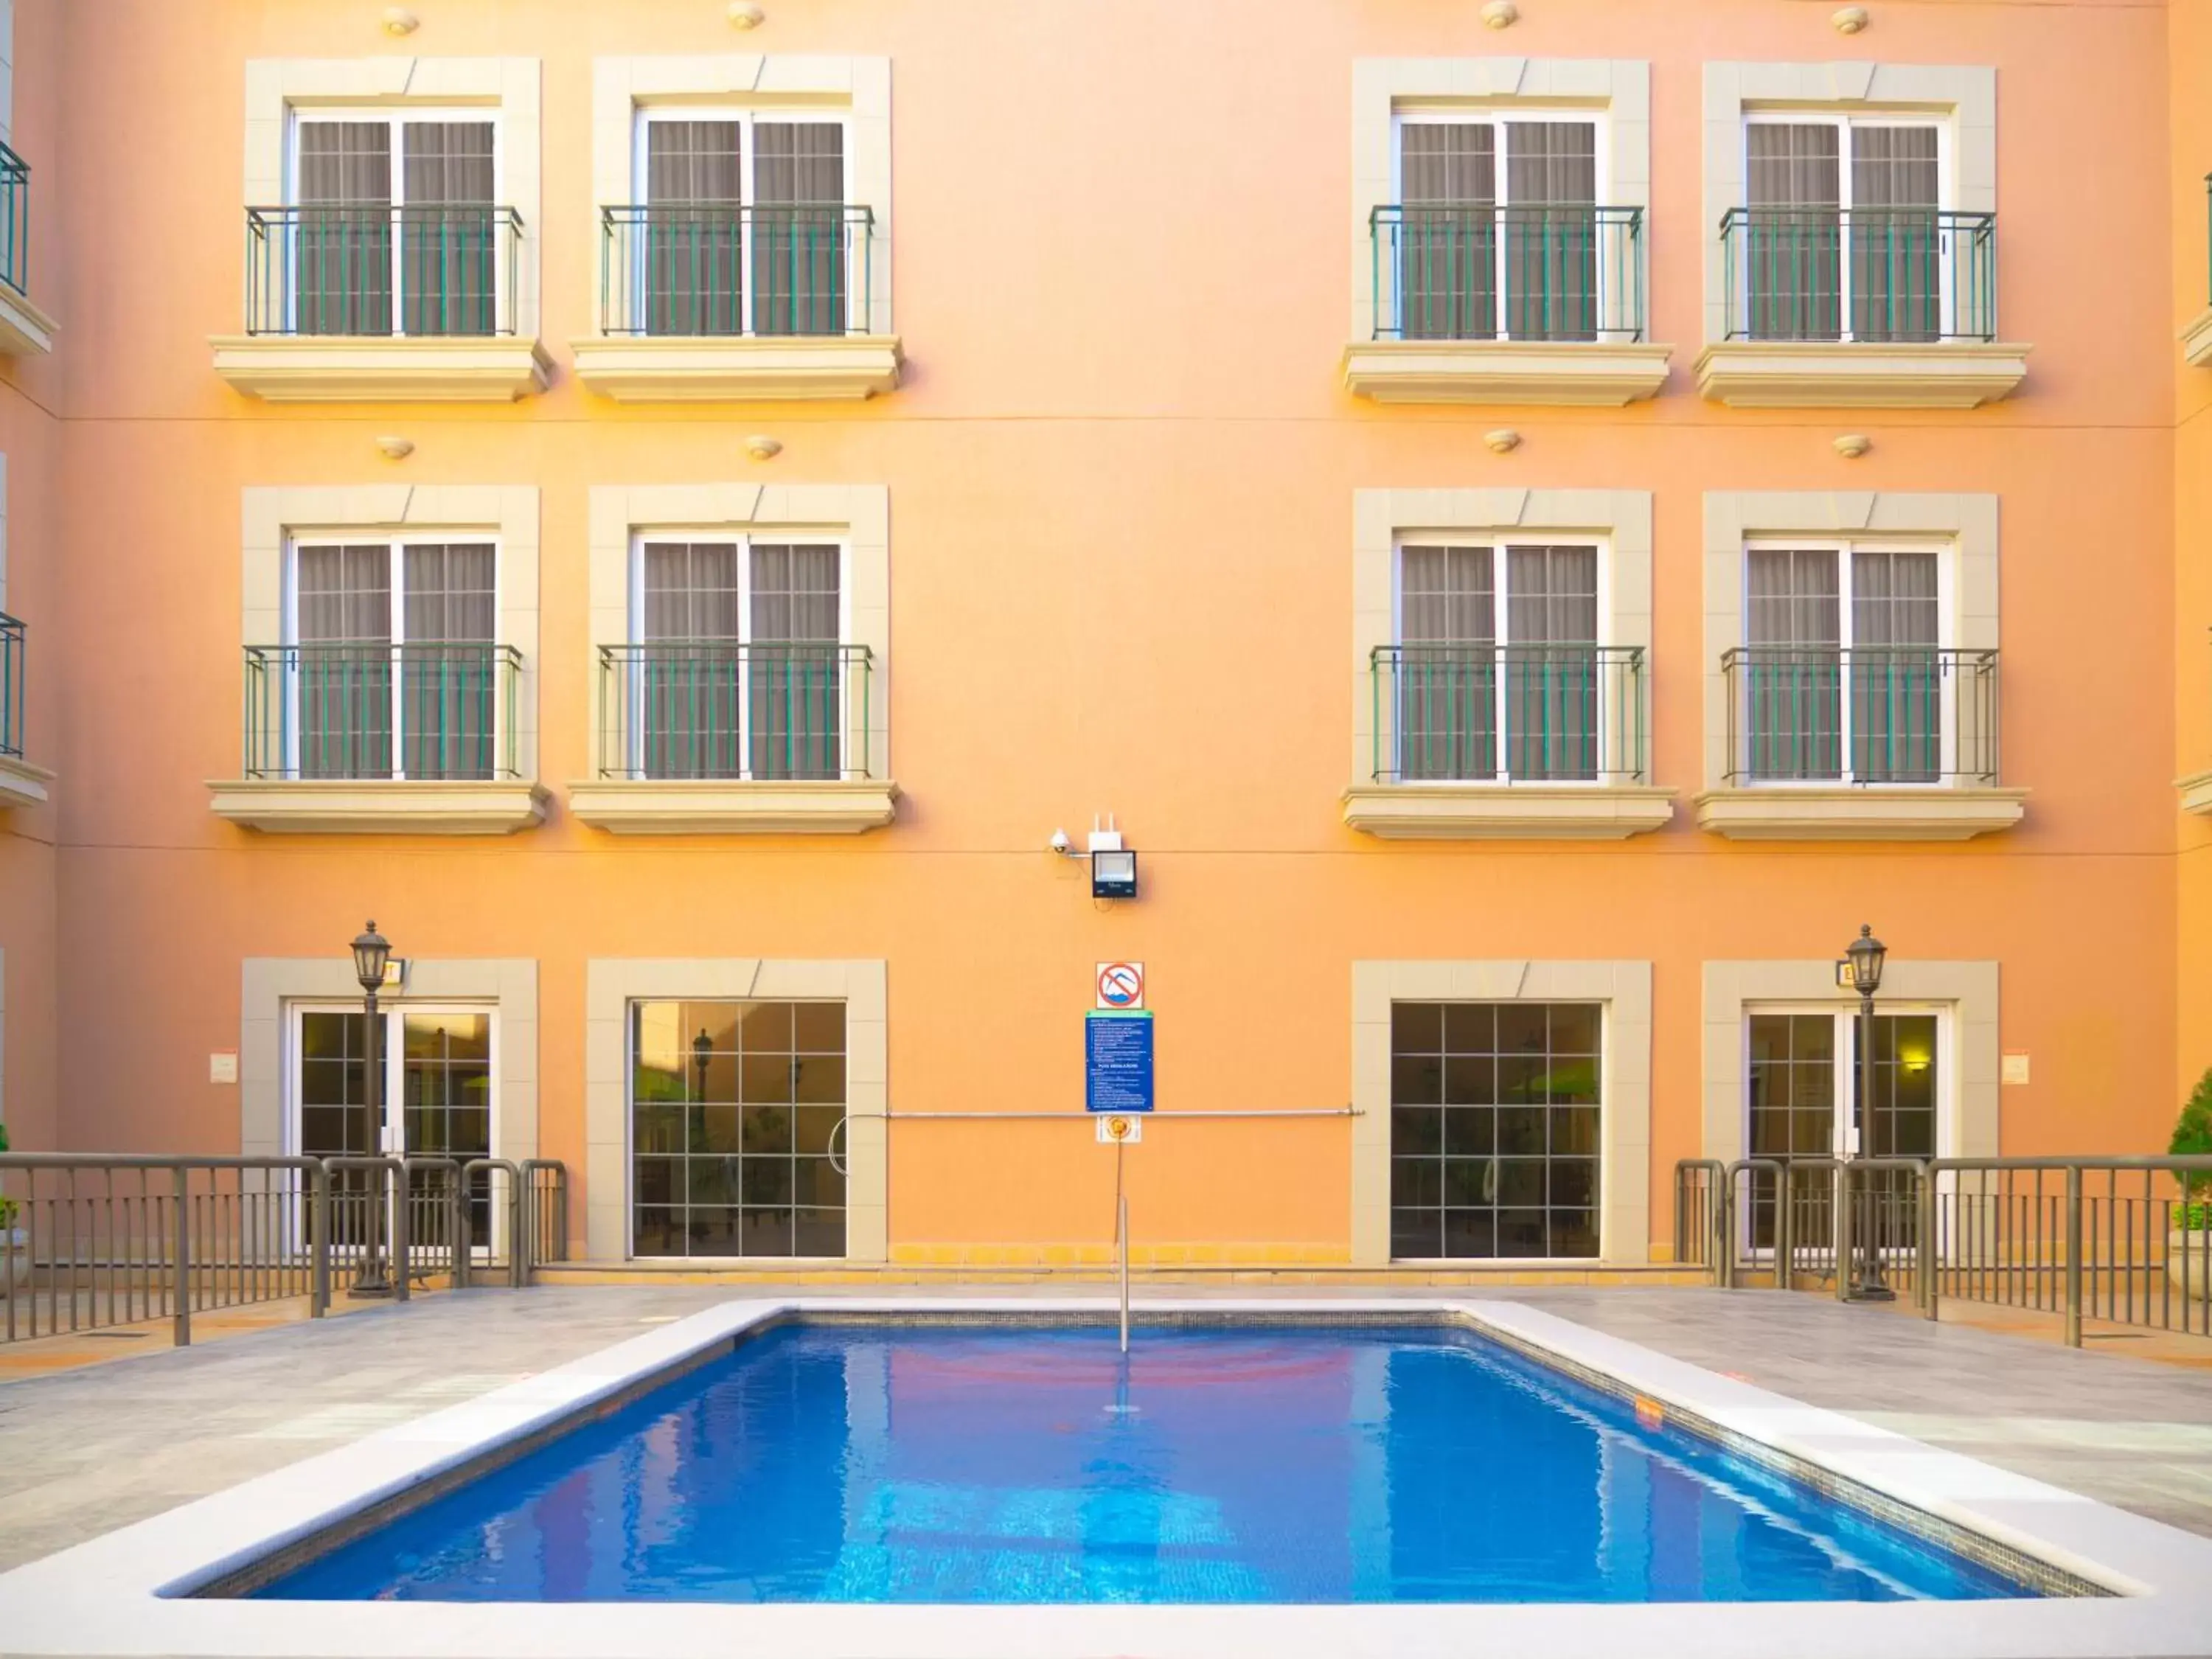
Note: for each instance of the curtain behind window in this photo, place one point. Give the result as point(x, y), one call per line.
point(800, 237)
point(685, 684)
point(1550, 662)
point(690, 240)
point(449, 670)
point(1791, 689)
point(1551, 230)
point(1447, 253)
point(340, 660)
point(448, 261)
point(1896, 245)
point(795, 675)
point(1447, 700)
point(1897, 681)
point(342, 240)
point(1793, 244)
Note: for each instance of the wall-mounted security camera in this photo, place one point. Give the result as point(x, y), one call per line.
point(1059, 842)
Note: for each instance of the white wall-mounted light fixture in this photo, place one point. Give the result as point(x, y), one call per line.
point(395, 448)
point(1112, 867)
point(744, 15)
point(398, 20)
point(1503, 441)
point(1500, 14)
point(1850, 20)
point(761, 448)
point(1852, 445)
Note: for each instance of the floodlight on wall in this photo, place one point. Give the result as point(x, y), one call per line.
point(1112, 867)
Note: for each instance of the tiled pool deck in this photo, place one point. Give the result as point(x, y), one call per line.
point(86, 1451)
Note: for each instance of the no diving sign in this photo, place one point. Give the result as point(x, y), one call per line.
point(1120, 985)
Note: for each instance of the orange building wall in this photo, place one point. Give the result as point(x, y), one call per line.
point(1120, 473)
point(2190, 58)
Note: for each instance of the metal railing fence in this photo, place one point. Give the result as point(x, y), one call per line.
point(374, 709)
point(15, 221)
point(15, 653)
point(1860, 714)
point(94, 1241)
point(719, 270)
point(443, 270)
point(1480, 271)
point(2126, 1241)
point(711, 709)
point(1908, 275)
point(1500, 714)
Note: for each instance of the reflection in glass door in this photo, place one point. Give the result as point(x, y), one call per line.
point(436, 1064)
point(1802, 1075)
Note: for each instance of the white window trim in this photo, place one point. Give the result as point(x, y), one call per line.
point(1609, 762)
point(391, 1057)
point(1947, 632)
point(1616, 91)
point(396, 120)
point(395, 630)
point(1963, 96)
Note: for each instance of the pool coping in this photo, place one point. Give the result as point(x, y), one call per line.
point(131, 1592)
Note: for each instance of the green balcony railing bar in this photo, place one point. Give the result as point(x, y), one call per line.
point(382, 271)
point(1861, 714)
point(15, 221)
point(716, 709)
point(1483, 714)
point(722, 270)
point(1908, 274)
point(369, 709)
point(12, 654)
point(1479, 272)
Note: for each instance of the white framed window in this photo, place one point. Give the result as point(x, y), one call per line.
point(739, 663)
point(394, 224)
point(1848, 673)
point(1501, 668)
point(390, 665)
point(1848, 232)
point(1500, 229)
point(741, 224)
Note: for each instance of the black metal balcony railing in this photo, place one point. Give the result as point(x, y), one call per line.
point(684, 270)
point(368, 709)
point(1478, 272)
point(15, 221)
point(716, 709)
point(382, 271)
point(12, 655)
point(1875, 274)
point(1480, 714)
point(1867, 714)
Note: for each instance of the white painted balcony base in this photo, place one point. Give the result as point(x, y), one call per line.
point(1859, 812)
point(25, 331)
point(665, 369)
point(21, 784)
point(1517, 811)
point(376, 806)
point(1557, 371)
point(1859, 373)
point(289, 368)
point(2196, 339)
point(715, 806)
point(2196, 792)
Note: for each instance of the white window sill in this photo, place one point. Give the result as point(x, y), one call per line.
point(2196, 792)
point(2196, 339)
point(1556, 372)
point(1859, 375)
point(375, 806)
point(716, 807)
point(1517, 811)
point(376, 368)
point(25, 331)
point(1859, 812)
point(661, 369)
point(21, 784)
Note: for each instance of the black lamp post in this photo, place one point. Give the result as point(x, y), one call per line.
point(371, 953)
point(701, 1047)
point(1862, 961)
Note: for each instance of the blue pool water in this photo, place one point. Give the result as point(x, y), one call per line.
point(909, 1464)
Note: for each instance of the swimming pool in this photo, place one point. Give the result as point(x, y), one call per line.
point(905, 1462)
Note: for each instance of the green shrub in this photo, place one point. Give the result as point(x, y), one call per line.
point(2192, 1138)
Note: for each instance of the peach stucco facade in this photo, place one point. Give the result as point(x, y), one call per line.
point(1120, 471)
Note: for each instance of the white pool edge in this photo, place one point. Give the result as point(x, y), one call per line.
point(105, 1598)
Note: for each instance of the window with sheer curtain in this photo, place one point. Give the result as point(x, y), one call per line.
point(1498, 662)
point(380, 248)
point(1486, 250)
point(1844, 237)
point(1843, 669)
point(744, 227)
point(739, 669)
point(391, 666)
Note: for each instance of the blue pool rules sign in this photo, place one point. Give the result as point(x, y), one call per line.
point(1117, 1061)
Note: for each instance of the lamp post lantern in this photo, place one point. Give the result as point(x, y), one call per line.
point(702, 1046)
point(1863, 961)
point(372, 952)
